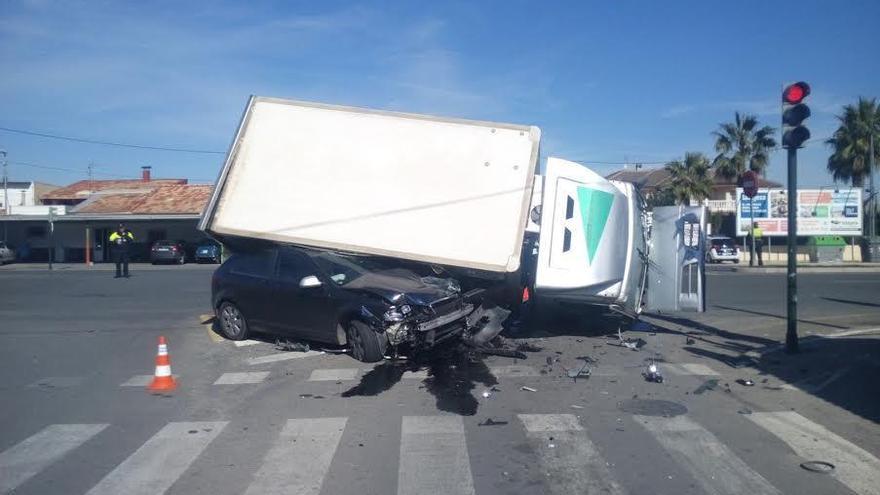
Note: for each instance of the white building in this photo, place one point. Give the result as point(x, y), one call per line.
point(22, 194)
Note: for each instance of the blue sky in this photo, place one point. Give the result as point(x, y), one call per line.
point(606, 81)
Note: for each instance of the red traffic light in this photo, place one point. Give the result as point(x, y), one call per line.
point(796, 92)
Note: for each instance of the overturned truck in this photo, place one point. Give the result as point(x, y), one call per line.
point(429, 223)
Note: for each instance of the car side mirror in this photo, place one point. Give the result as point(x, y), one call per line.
point(310, 282)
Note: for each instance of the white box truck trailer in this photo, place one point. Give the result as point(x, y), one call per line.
point(457, 193)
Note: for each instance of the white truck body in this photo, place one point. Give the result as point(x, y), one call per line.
point(444, 191)
point(449, 192)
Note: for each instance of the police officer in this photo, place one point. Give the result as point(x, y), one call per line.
point(122, 239)
point(758, 235)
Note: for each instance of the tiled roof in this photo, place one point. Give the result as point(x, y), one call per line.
point(166, 200)
point(80, 190)
point(644, 178)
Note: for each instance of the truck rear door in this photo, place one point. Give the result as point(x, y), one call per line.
point(677, 278)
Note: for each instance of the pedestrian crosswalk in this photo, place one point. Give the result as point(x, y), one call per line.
point(435, 455)
point(352, 374)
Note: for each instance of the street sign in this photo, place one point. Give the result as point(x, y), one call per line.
point(750, 183)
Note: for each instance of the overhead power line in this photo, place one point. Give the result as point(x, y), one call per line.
point(110, 143)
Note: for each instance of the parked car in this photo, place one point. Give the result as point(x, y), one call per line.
point(720, 249)
point(365, 302)
point(7, 254)
point(168, 252)
point(207, 251)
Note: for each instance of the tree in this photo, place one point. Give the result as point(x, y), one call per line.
point(851, 142)
point(742, 145)
point(689, 179)
point(661, 197)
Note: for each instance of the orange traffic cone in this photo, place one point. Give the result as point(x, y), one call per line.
point(163, 381)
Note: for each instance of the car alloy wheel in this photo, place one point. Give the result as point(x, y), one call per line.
point(232, 322)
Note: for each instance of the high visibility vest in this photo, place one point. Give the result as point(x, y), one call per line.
point(757, 233)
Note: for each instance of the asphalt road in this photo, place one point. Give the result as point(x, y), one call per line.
point(253, 419)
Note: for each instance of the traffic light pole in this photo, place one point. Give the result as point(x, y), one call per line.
point(791, 337)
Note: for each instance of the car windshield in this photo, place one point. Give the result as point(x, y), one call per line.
point(343, 269)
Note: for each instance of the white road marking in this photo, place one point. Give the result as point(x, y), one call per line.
point(242, 378)
point(715, 467)
point(300, 458)
point(157, 464)
point(21, 462)
point(333, 375)
point(415, 375)
point(140, 381)
point(498, 371)
point(688, 369)
point(854, 466)
point(570, 461)
point(284, 356)
point(513, 370)
point(245, 343)
point(434, 457)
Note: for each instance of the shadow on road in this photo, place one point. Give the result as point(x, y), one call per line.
point(771, 315)
point(841, 371)
point(850, 301)
point(453, 372)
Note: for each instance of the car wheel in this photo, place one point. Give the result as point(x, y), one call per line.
point(232, 322)
point(366, 345)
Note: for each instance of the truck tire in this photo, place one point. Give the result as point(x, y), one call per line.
point(232, 322)
point(366, 345)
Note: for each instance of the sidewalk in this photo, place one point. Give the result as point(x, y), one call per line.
point(782, 267)
point(99, 267)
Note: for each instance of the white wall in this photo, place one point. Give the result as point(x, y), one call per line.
point(17, 196)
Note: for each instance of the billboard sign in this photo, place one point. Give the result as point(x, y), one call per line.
point(820, 211)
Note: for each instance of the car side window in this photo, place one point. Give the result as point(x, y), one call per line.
point(293, 266)
point(258, 264)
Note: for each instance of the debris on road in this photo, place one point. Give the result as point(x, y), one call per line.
point(689, 341)
point(745, 411)
point(528, 389)
point(286, 345)
point(583, 372)
point(652, 373)
point(486, 394)
point(492, 422)
point(631, 344)
point(575, 406)
point(818, 466)
point(745, 383)
point(707, 385)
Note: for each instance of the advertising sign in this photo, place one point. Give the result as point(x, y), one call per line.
point(820, 211)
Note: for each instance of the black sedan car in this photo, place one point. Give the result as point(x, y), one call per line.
point(168, 252)
point(364, 302)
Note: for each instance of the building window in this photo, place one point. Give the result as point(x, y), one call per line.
point(37, 231)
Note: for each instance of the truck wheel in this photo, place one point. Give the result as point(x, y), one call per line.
point(366, 345)
point(232, 322)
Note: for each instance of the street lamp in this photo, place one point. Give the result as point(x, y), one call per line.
point(5, 194)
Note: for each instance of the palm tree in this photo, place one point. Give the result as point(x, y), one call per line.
point(690, 178)
point(851, 142)
point(742, 145)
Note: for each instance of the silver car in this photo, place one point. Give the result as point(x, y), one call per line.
point(7, 254)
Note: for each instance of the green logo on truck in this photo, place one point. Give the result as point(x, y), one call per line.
point(595, 207)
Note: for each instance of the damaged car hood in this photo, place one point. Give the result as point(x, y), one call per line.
point(400, 285)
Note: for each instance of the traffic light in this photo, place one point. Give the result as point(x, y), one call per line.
point(794, 112)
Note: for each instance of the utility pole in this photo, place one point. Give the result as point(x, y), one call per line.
point(872, 225)
point(5, 196)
